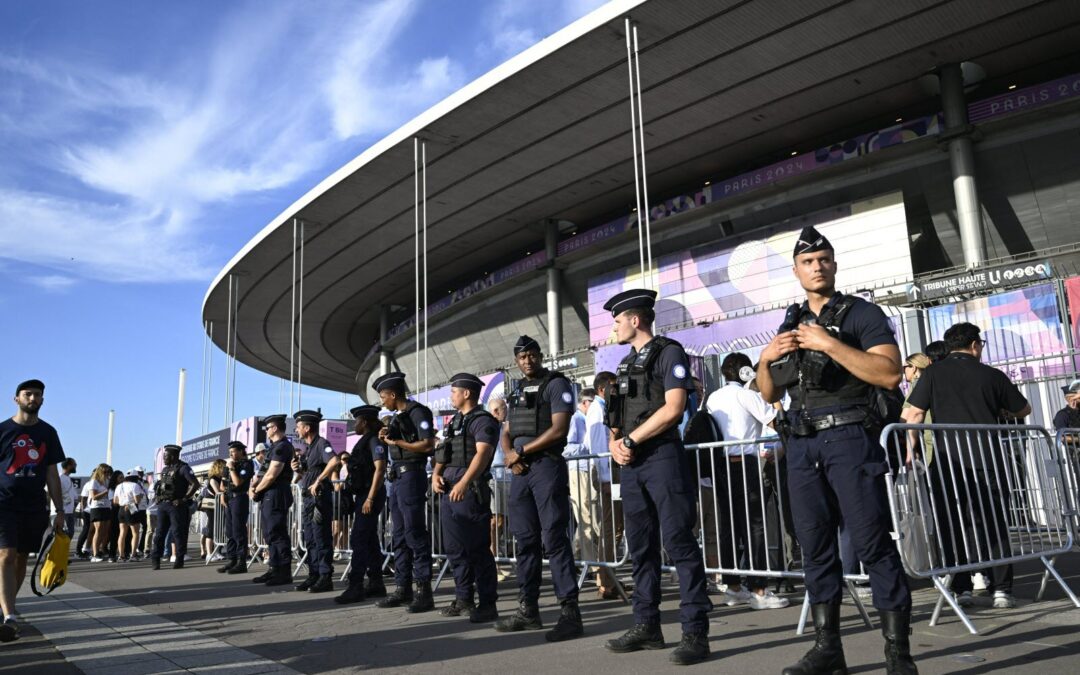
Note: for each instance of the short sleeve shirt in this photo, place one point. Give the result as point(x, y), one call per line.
point(102, 502)
point(316, 456)
point(376, 447)
point(1067, 418)
point(245, 469)
point(423, 420)
point(675, 366)
point(484, 429)
point(26, 452)
point(961, 390)
point(559, 394)
point(282, 451)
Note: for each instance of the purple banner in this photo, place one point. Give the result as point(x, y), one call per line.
point(1020, 100)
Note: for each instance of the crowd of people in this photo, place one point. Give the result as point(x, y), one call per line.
point(577, 476)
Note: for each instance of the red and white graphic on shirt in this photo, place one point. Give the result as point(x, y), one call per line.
point(27, 455)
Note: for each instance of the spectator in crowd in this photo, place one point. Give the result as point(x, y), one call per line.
point(260, 456)
point(151, 513)
point(212, 493)
point(741, 414)
point(913, 369)
point(936, 350)
point(100, 511)
point(961, 390)
point(694, 400)
point(84, 513)
point(500, 489)
point(29, 452)
point(608, 515)
point(128, 495)
point(141, 516)
point(114, 512)
point(1069, 416)
point(71, 495)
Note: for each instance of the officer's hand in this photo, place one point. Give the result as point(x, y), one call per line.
point(314, 490)
point(437, 485)
point(366, 508)
point(251, 493)
point(814, 337)
point(457, 493)
point(517, 469)
point(511, 458)
point(620, 453)
point(779, 346)
point(384, 433)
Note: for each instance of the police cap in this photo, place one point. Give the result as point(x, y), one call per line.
point(172, 447)
point(525, 344)
point(811, 241)
point(368, 411)
point(278, 419)
point(395, 381)
point(635, 297)
point(238, 445)
point(308, 416)
point(467, 381)
point(30, 384)
point(1071, 388)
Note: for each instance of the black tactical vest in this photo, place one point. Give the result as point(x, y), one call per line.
point(172, 484)
point(638, 391)
point(529, 411)
point(361, 467)
point(401, 427)
point(460, 443)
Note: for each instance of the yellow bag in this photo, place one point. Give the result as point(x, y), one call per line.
point(52, 561)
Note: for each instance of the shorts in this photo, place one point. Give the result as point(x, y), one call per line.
point(99, 515)
point(129, 518)
point(23, 531)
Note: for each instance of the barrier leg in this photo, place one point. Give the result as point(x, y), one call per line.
point(583, 576)
point(804, 614)
point(1042, 582)
point(347, 572)
point(442, 573)
point(947, 596)
point(1065, 587)
point(300, 564)
point(858, 603)
point(386, 560)
point(940, 602)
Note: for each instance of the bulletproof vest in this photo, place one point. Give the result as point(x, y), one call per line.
point(172, 484)
point(638, 391)
point(529, 411)
point(823, 381)
point(402, 428)
point(361, 467)
point(461, 444)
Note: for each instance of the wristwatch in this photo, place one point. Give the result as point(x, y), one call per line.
point(629, 443)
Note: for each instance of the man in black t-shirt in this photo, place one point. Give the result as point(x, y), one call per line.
point(29, 452)
point(960, 389)
point(1069, 416)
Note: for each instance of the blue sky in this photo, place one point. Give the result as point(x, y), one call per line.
point(143, 146)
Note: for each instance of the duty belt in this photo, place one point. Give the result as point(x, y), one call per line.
point(823, 422)
point(398, 469)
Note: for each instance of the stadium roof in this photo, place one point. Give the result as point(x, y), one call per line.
point(545, 135)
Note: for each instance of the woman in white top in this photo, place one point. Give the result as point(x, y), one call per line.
point(213, 492)
point(100, 511)
point(129, 495)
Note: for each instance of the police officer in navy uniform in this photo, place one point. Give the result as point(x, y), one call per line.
point(462, 472)
point(272, 489)
point(533, 440)
point(659, 479)
point(176, 486)
point(316, 464)
point(410, 438)
point(366, 466)
point(831, 361)
point(237, 505)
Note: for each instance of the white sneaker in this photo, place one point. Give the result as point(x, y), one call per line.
point(97, 559)
point(172, 558)
point(739, 597)
point(965, 599)
point(216, 557)
point(978, 581)
point(1003, 600)
point(768, 601)
point(337, 556)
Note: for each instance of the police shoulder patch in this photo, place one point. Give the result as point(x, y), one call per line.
point(567, 397)
point(679, 371)
point(328, 449)
point(425, 425)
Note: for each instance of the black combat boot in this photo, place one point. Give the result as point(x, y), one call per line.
point(179, 564)
point(375, 588)
point(896, 627)
point(227, 566)
point(485, 612)
point(569, 625)
point(423, 600)
point(324, 584)
point(399, 597)
point(354, 593)
point(641, 636)
point(264, 577)
point(308, 582)
point(239, 568)
point(281, 576)
point(527, 617)
point(826, 657)
point(155, 563)
point(693, 648)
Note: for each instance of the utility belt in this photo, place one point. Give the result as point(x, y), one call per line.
point(804, 424)
point(480, 487)
point(397, 470)
point(551, 452)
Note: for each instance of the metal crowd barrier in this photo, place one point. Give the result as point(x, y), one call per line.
point(219, 517)
point(991, 496)
point(1068, 443)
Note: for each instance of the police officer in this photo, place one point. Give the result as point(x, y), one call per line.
point(175, 487)
point(830, 361)
point(410, 439)
point(240, 472)
point(533, 441)
point(366, 466)
point(315, 465)
point(659, 481)
point(462, 472)
point(273, 491)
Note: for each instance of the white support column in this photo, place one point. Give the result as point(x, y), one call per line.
point(962, 162)
point(554, 297)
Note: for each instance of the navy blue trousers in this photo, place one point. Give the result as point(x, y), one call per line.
point(659, 492)
point(236, 531)
point(174, 521)
point(466, 529)
point(275, 522)
point(364, 540)
point(409, 531)
point(839, 473)
point(319, 536)
point(540, 521)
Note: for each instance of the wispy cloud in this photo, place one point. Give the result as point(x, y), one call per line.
point(516, 25)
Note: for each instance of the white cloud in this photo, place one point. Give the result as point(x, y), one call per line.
point(516, 25)
point(52, 283)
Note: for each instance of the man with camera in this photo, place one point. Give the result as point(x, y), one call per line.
point(273, 490)
point(410, 438)
point(533, 441)
point(237, 506)
point(833, 354)
point(315, 464)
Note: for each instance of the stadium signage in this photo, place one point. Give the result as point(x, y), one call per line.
point(974, 281)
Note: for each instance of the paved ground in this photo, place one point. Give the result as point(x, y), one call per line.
point(127, 619)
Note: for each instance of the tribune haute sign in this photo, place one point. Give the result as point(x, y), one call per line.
point(974, 281)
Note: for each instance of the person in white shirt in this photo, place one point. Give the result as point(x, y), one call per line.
point(69, 493)
point(607, 511)
point(128, 496)
point(100, 504)
point(87, 527)
point(500, 490)
point(741, 414)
